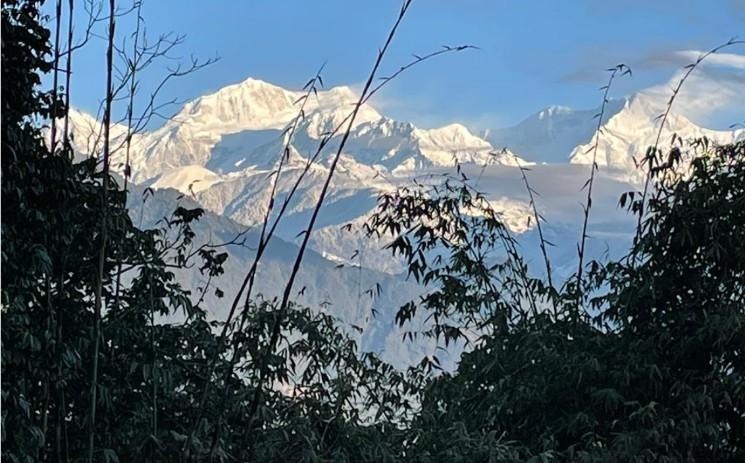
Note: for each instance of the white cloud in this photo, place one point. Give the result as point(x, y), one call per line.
point(732, 60)
point(714, 93)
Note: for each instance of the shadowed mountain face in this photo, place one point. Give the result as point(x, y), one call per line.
point(340, 290)
point(233, 152)
point(551, 134)
point(221, 149)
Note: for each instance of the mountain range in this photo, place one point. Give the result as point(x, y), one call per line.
point(220, 149)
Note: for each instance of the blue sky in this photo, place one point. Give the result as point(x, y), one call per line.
point(532, 53)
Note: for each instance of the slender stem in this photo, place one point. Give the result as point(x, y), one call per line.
point(64, 431)
point(132, 86)
point(251, 274)
point(55, 77)
point(59, 381)
point(323, 143)
point(68, 73)
point(51, 326)
point(590, 182)
point(306, 236)
point(539, 227)
point(154, 369)
point(104, 232)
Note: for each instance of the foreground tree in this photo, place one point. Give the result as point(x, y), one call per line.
point(150, 375)
point(50, 268)
point(657, 374)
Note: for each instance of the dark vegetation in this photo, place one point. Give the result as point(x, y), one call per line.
point(635, 360)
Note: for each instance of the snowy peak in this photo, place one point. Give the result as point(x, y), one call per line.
point(257, 105)
point(551, 134)
point(251, 104)
point(239, 128)
point(445, 145)
point(400, 146)
point(452, 136)
point(554, 111)
point(338, 96)
point(626, 135)
point(86, 134)
point(191, 136)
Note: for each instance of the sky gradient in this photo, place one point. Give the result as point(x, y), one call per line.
point(531, 53)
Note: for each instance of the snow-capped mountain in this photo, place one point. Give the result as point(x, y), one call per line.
point(628, 133)
point(400, 146)
point(251, 114)
point(220, 151)
point(551, 134)
point(221, 148)
point(252, 105)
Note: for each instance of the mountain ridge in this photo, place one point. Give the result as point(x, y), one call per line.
point(222, 148)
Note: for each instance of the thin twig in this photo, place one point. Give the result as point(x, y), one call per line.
point(538, 219)
point(325, 140)
point(298, 260)
point(624, 70)
point(55, 76)
point(132, 84)
point(68, 74)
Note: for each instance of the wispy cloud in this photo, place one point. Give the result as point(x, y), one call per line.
point(713, 95)
point(680, 58)
point(732, 60)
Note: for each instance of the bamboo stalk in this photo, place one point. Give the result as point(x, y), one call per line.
point(104, 232)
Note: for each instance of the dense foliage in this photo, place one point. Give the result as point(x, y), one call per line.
point(656, 373)
point(646, 366)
